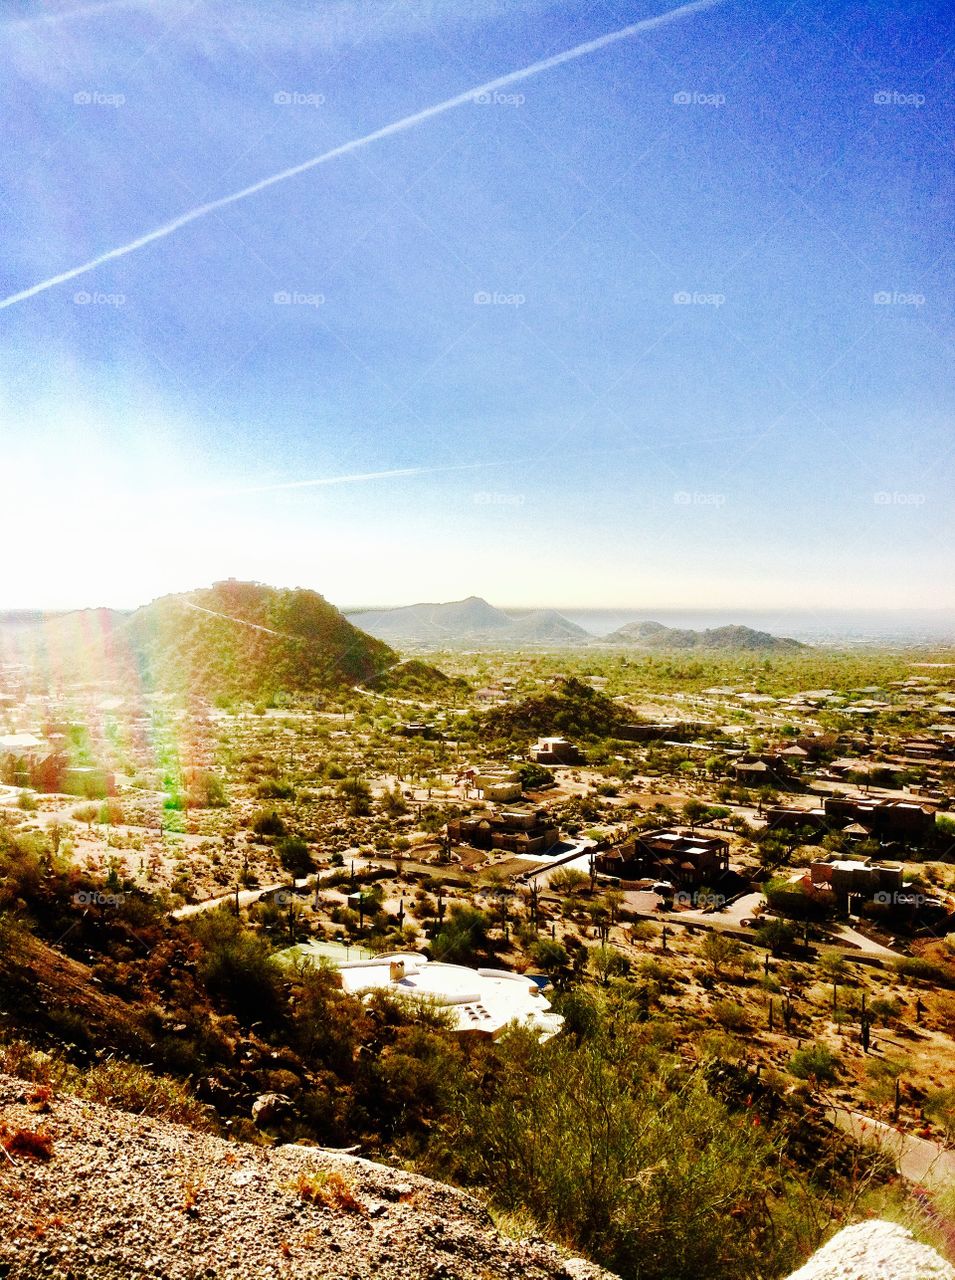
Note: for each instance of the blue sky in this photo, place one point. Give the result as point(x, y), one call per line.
point(669, 325)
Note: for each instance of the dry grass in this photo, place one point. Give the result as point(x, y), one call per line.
point(328, 1188)
point(35, 1144)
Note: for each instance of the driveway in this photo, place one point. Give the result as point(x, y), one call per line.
point(575, 855)
point(851, 938)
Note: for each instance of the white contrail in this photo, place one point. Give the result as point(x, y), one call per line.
point(323, 481)
point(399, 126)
point(64, 15)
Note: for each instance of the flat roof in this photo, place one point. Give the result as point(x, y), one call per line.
point(483, 1000)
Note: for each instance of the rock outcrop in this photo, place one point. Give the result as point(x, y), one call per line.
point(875, 1251)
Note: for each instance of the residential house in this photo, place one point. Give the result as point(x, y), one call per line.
point(515, 830)
point(901, 820)
point(686, 859)
point(556, 751)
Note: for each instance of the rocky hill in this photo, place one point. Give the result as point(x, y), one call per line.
point(654, 635)
point(572, 708)
point(243, 639)
point(545, 626)
point(231, 640)
point(94, 1193)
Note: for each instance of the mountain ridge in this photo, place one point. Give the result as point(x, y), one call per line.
point(654, 635)
point(473, 622)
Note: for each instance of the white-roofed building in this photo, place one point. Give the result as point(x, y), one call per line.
point(483, 1001)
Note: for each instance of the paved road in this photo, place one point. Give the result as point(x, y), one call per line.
point(918, 1160)
point(246, 898)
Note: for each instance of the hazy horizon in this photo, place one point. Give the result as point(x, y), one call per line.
point(891, 627)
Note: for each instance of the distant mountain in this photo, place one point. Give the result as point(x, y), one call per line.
point(81, 645)
point(471, 622)
point(654, 635)
point(545, 626)
point(432, 624)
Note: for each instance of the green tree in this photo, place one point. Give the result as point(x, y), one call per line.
point(295, 856)
point(464, 934)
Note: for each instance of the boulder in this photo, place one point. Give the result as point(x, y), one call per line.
point(269, 1108)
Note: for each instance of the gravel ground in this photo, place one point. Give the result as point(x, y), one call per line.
point(123, 1197)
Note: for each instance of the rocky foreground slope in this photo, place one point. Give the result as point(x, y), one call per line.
point(89, 1193)
point(104, 1195)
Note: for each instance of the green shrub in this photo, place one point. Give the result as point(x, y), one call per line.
point(129, 1087)
point(295, 856)
point(237, 967)
point(815, 1062)
point(731, 1016)
point(568, 880)
point(267, 823)
point(917, 968)
point(618, 1154)
point(464, 933)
